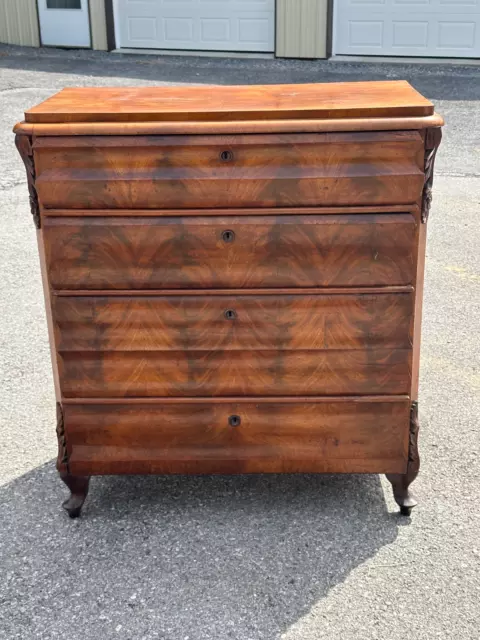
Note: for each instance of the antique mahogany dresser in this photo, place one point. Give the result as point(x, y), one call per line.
point(233, 276)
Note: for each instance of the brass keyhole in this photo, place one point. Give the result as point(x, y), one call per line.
point(226, 156)
point(230, 314)
point(234, 421)
point(228, 236)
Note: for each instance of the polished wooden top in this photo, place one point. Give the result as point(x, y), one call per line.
point(335, 101)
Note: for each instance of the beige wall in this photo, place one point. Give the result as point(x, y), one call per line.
point(98, 24)
point(19, 22)
point(302, 28)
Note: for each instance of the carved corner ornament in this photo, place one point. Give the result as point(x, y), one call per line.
point(401, 482)
point(433, 137)
point(413, 456)
point(62, 459)
point(25, 149)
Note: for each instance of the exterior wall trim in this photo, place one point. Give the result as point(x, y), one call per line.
point(302, 28)
point(98, 25)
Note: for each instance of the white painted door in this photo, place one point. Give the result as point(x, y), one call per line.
point(64, 23)
point(211, 25)
point(438, 28)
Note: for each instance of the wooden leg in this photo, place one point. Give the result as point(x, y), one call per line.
point(401, 492)
point(401, 482)
point(78, 486)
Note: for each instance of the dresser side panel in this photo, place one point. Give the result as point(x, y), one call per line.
point(49, 314)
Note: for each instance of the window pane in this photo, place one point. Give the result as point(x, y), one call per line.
point(64, 4)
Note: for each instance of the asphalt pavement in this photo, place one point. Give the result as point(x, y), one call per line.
point(248, 557)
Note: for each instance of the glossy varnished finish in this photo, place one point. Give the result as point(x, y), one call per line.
point(234, 345)
point(220, 127)
point(229, 103)
point(233, 323)
point(332, 436)
point(234, 277)
point(265, 251)
point(230, 171)
point(245, 373)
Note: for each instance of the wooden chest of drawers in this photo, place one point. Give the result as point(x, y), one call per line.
point(233, 288)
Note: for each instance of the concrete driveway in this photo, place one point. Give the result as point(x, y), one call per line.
point(244, 558)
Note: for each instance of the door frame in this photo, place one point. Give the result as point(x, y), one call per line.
point(65, 46)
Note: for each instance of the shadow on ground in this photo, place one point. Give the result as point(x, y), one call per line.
point(182, 557)
point(437, 81)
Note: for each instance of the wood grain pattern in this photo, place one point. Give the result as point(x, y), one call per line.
point(199, 323)
point(273, 251)
point(244, 373)
point(298, 125)
point(158, 172)
point(234, 277)
point(47, 294)
point(230, 103)
point(329, 437)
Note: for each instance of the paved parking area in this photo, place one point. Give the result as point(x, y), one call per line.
point(244, 558)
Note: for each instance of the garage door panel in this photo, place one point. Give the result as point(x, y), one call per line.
point(440, 28)
point(222, 25)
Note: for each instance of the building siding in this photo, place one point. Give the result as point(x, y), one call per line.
point(302, 27)
point(98, 25)
point(19, 22)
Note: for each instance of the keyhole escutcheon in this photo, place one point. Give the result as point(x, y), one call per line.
point(228, 235)
point(226, 156)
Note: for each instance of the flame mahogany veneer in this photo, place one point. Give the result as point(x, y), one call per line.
point(233, 285)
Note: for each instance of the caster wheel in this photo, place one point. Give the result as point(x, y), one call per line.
point(406, 511)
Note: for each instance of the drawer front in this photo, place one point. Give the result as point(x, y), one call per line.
point(117, 374)
point(230, 252)
point(334, 436)
point(162, 172)
point(233, 323)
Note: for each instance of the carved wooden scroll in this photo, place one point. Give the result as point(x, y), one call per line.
point(433, 138)
point(24, 146)
point(62, 459)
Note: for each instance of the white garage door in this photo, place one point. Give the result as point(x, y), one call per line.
point(443, 28)
point(212, 25)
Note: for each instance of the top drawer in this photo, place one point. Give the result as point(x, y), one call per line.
point(167, 172)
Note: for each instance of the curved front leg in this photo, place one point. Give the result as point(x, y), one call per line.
point(78, 486)
point(401, 491)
